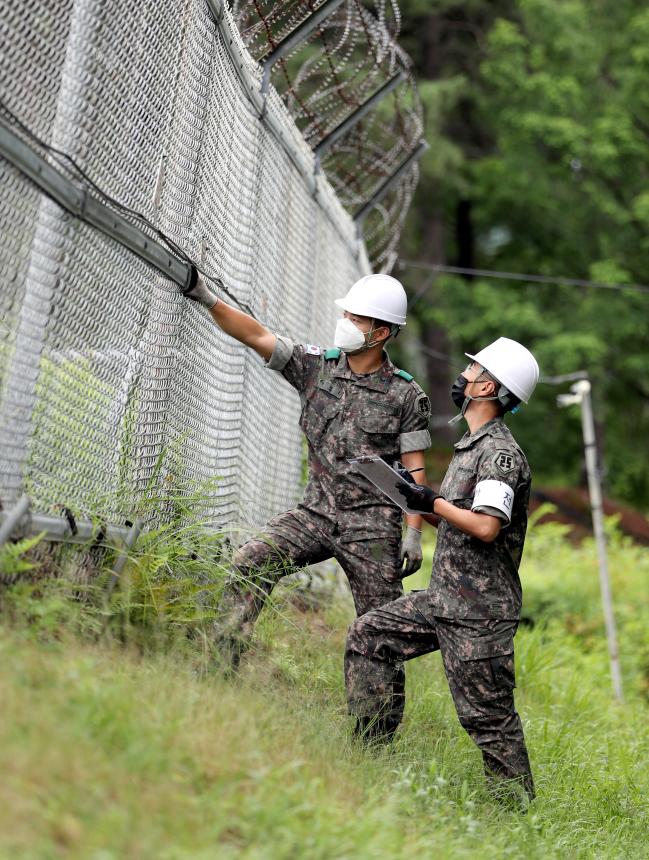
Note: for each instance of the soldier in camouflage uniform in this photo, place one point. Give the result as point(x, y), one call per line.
point(354, 403)
point(471, 609)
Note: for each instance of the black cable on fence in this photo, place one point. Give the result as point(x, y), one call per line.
point(94, 208)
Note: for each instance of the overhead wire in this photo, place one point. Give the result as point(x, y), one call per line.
point(520, 276)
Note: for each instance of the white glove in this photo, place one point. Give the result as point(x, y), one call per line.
point(411, 552)
point(199, 291)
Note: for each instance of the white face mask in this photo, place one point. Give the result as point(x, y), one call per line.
point(348, 337)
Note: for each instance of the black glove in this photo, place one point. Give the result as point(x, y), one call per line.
point(418, 497)
point(403, 472)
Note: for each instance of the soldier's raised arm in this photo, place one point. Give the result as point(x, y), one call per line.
point(234, 322)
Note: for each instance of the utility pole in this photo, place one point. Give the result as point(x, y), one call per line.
point(581, 396)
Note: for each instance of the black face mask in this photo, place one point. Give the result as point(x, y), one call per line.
point(457, 391)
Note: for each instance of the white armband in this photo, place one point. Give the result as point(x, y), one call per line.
point(494, 494)
point(281, 354)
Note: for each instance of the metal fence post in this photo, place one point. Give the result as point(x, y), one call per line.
point(13, 517)
point(357, 115)
point(581, 396)
point(294, 38)
point(122, 558)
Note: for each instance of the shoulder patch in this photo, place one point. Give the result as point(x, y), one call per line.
point(504, 461)
point(332, 353)
point(311, 349)
point(422, 405)
point(404, 375)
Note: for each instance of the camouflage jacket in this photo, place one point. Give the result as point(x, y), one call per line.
point(471, 578)
point(347, 415)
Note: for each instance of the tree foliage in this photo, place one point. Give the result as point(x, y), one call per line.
point(538, 119)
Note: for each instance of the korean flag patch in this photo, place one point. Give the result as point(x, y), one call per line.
point(504, 461)
point(312, 349)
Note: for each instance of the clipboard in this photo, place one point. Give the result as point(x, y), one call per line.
point(385, 478)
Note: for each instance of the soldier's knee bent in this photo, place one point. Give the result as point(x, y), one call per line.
point(252, 554)
point(363, 638)
point(244, 554)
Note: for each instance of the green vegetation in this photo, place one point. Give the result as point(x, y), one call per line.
point(116, 742)
point(66, 388)
point(537, 112)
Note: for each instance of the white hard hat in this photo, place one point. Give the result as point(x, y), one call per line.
point(511, 364)
point(380, 297)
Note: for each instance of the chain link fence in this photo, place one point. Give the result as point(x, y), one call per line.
point(113, 387)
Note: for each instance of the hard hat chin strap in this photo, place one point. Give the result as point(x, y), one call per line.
point(384, 341)
point(465, 406)
point(503, 396)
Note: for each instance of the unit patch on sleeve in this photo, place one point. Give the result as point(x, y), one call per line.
point(311, 349)
point(423, 405)
point(504, 461)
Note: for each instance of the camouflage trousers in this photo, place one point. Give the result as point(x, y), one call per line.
point(478, 658)
point(296, 539)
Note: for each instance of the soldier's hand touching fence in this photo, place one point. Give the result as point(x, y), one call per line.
point(199, 291)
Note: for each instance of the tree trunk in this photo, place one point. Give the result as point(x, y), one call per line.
point(434, 239)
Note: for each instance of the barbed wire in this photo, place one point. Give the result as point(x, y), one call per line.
point(347, 58)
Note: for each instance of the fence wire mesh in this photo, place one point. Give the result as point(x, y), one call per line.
point(112, 385)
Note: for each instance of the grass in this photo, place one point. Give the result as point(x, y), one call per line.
point(115, 750)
